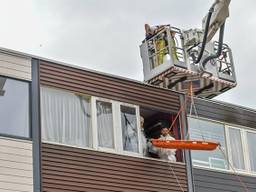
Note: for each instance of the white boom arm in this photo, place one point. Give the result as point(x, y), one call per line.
point(219, 12)
point(219, 15)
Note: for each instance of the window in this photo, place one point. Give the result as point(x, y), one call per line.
point(14, 107)
point(207, 130)
point(251, 137)
point(242, 150)
point(129, 129)
point(237, 143)
point(116, 126)
point(105, 124)
point(72, 119)
point(236, 148)
point(66, 117)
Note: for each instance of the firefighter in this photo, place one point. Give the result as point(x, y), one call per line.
point(160, 49)
point(143, 138)
point(166, 154)
point(152, 30)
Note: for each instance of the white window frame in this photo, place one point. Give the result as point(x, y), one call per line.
point(243, 133)
point(209, 167)
point(95, 127)
point(91, 143)
point(29, 107)
point(227, 127)
point(117, 126)
point(137, 112)
point(247, 148)
point(243, 130)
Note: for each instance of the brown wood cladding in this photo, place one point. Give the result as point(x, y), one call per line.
point(80, 170)
point(110, 87)
point(225, 112)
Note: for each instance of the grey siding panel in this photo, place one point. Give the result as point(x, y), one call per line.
point(225, 112)
point(213, 181)
point(36, 134)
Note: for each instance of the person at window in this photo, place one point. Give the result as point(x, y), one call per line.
point(166, 154)
point(143, 138)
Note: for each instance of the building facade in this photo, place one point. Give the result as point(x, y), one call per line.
point(100, 160)
point(65, 128)
point(233, 167)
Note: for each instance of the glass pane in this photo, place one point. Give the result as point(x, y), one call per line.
point(105, 124)
point(14, 107)
point(65, 117)
point(129, 129)
point(236, 148)
point(251, 137)
point(206, 130)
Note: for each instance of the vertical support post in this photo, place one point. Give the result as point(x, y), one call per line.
point(187, 153)
point(36, 133)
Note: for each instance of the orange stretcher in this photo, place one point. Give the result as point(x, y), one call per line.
point(185, 144)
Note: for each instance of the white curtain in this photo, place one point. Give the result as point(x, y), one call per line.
point(105, 124)
point(251, 138)
point(236, 148)
point(65, 117)
point(129, 129)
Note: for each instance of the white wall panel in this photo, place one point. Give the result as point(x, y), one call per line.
point(15, 66)
point(16, 165)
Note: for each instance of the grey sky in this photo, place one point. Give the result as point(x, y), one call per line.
point(105, 34)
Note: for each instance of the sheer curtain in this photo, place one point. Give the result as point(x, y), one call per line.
point(129, 129)
point(251, 138)
point(236, 148)
point(105, 124)
point(65, 117)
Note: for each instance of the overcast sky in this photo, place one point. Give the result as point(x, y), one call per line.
point(105, 35)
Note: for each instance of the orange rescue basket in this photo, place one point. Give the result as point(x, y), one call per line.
point(185, 144)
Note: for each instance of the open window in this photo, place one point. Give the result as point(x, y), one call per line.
point(153, 123)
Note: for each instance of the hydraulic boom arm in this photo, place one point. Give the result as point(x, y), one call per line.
point(219, 15)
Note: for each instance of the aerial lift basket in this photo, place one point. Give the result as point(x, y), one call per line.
point(166, 63)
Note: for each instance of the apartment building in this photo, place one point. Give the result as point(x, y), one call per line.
point(66, 128)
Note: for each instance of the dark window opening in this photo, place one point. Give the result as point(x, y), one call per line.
point(153, 123)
